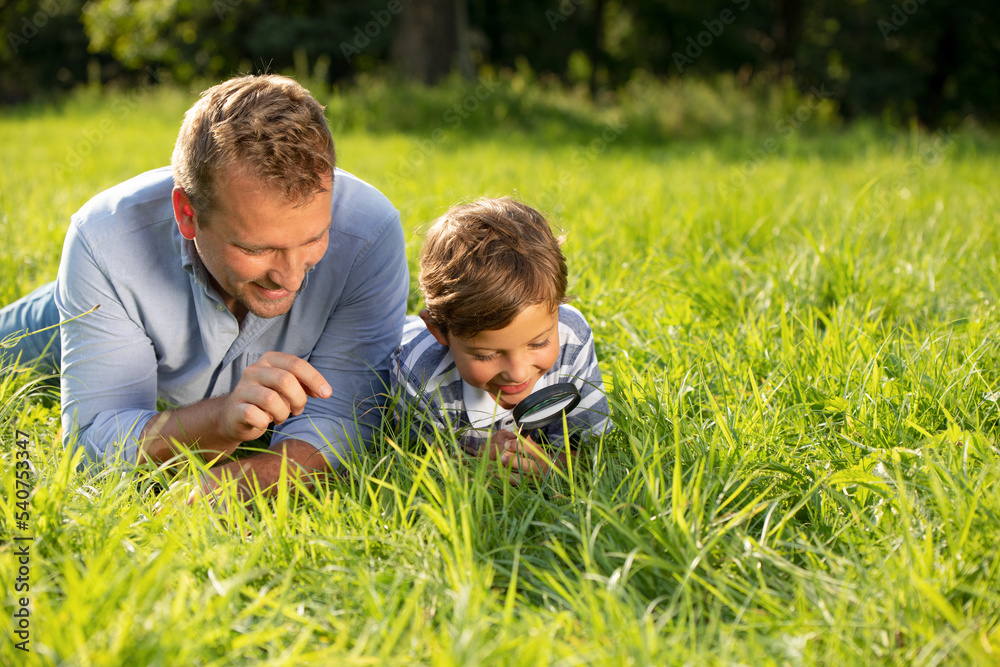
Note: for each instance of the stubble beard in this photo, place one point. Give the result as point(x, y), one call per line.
point(265, 309)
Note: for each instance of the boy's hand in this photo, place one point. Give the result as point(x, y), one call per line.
point(496, 447)
point(520, 455)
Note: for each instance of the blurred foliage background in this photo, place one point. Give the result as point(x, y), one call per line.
point(930, 60)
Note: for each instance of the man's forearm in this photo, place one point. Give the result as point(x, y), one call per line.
point(302, 460)
point(174, 431)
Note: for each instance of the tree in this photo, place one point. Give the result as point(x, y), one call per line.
point(431, 39)
point(43, 48)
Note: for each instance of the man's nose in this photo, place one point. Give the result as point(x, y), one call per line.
point(288, 271)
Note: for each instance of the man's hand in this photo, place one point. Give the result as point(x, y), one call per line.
point(272, 389)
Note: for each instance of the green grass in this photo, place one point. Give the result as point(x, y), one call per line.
point(803, 369)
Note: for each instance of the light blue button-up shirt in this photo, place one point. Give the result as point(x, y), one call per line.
point(163, 333)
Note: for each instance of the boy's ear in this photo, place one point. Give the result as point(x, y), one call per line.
point(433, 328)
point(183, 213)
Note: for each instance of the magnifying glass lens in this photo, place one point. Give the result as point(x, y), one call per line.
point(547, 409)
point(546, 406)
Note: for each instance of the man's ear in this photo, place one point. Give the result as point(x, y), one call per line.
point(184, 213)
point(433, 328)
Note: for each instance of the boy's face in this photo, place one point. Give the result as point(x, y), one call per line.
point(507, 362)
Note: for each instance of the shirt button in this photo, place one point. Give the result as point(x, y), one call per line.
point(220, 307)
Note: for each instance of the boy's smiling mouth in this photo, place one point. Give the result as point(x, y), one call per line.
point(513, 388)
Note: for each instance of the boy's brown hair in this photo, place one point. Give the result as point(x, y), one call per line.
point(483, 263)
point(269, 125)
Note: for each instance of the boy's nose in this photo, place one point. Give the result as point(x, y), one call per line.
point(518, 368)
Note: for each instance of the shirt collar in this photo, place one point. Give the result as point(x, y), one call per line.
point(481, 409)
point(190, 261)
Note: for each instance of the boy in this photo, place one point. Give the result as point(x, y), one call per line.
point(496, 328)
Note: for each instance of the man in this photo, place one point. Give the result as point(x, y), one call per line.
point(253, 284)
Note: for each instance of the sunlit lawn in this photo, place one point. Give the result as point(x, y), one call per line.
point(801, 348)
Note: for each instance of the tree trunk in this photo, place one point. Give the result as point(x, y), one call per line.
point(786, 31)
point(431, 38)
point(596, 46)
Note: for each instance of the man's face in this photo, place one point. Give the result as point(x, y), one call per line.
point(508, 362)
point(257, 245)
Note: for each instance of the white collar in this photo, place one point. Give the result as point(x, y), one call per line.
point(483, 411)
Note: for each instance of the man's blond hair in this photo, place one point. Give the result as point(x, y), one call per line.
point(268, 125)
point(485, 262)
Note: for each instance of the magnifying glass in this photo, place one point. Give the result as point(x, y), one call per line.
point(545, 406)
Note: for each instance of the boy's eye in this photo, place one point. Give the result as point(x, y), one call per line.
point(485, 357)
point(538, 346)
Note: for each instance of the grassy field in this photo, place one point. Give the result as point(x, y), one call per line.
point(799, 333)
